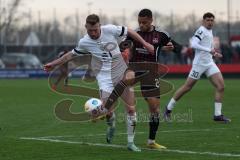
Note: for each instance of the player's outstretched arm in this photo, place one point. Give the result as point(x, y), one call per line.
point(134, 35)
point(51, 65)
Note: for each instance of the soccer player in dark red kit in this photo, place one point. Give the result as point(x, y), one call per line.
point(161, 41)
point(149, 82)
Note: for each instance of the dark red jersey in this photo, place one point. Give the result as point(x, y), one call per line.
point(156, 37)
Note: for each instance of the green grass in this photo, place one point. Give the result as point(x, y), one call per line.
point(27, 110)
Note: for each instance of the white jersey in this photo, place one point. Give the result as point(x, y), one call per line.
point(205, 40)
point(105, 49)
point(107, 61)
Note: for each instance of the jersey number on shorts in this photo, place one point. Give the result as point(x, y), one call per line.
point(195, 74)
point(157, 82)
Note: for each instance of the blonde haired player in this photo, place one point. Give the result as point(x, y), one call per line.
point(107, 62)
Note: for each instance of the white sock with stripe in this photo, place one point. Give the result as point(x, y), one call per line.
point(218, 109)
point(171, 104)
point(131, 124)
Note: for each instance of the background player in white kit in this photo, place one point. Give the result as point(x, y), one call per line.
point(202, 42)
point(108, 66)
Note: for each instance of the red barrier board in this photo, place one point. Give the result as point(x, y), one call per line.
point(225, 68)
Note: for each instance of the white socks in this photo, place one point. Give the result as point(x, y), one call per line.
point(171, 104)
point(150, 141)
point(218, 109)
point(111, 121)
point(131, 124)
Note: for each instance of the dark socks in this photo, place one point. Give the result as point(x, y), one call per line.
point(153, 125)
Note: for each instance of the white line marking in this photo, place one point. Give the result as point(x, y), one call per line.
point(195, 130)
point(122, 146)
point(65, 136)
point(166, 131)
point(72, 142)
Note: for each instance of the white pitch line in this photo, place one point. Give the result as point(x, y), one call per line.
point(194, 130)
point(64, 136)
point(72, 142)
point(166, 131)
point(122, 146)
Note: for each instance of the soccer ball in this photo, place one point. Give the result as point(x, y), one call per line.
point(94, 107)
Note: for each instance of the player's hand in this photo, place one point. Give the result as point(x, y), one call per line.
point(48, 67)
point(149, 47)
point(169, 47)
point(216, 54)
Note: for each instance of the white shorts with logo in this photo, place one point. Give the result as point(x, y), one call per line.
point(107, 82)
point(198, 70)
point(108, 73)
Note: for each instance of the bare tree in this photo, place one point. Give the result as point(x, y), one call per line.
point(8, 15)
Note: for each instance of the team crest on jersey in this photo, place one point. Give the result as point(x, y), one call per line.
point(155, 40)
point(200, 32)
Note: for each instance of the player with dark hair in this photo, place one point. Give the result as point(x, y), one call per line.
point(203, 63)
point(161, 41)
point(150, 83)
point(108, 64)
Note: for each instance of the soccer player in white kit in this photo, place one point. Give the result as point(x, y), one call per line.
point(109, 67)
point(202, 42)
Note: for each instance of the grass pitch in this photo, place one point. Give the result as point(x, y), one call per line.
point(31, 131)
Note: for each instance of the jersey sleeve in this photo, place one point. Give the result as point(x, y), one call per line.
point(195, 44)
point(118, 31)
point(79, 49)
point(196, 39)
point(199, 34)
point(165, 38)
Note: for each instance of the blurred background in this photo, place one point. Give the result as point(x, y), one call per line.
point(33, 32)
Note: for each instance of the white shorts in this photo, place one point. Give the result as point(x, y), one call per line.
point(108, 80)
point(107, 83)
point(108, 74)
point(198, 70)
